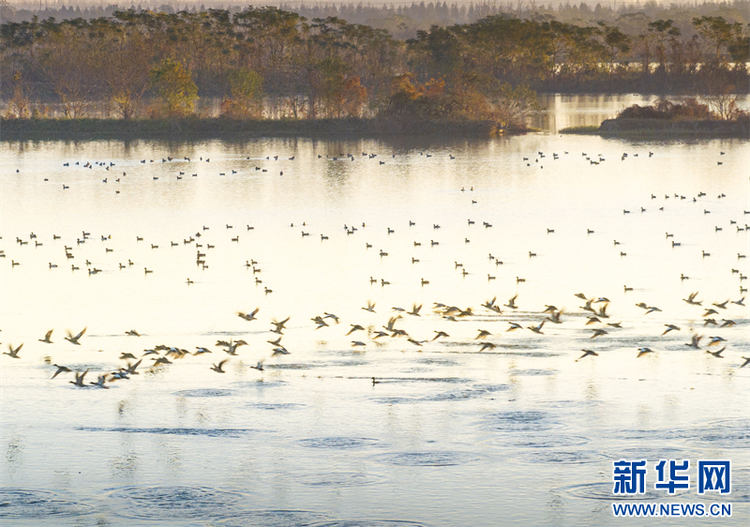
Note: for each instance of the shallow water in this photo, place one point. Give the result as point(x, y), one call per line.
point(449, 434)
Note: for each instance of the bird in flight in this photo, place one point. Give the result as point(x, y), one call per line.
point(587, 353)
point(643, 351)
point(60, 369)
point(46, 338)
point(13, 352)
point(218, 367)
point(74, 340)
point(248, 316)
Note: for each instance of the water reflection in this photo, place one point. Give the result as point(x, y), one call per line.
point(310, 433)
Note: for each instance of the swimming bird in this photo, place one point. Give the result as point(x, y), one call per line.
point(133, 333)
point(46, 338)
point(218, 367)
point(587, 353)
point(74, 340)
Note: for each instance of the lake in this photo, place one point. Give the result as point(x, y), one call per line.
point(478, 408)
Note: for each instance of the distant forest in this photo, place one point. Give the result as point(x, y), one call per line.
point(403, 21)
point(420, 60)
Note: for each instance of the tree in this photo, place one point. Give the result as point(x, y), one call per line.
point(717, 32)
point(246, 88)
point(174, 84)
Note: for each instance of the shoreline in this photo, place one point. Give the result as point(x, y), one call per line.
point(664, 129)
point(221, 128)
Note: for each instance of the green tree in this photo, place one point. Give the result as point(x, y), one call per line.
point(717, 32)
point(174, 85)
point(246, 88)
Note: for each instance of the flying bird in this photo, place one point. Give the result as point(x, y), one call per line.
point(74, 340)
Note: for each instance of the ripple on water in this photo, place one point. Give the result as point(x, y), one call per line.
point(289, 366)
point(274, 518)
point(438, 362)
point(739, 494)
point(520, 421)
point(472, 393)
point(207, 392)
point(549, 441)
point(603, 491)
point(427, 459)
point(368, 523)
point(277, 406)
point(30, 504)
point(210, 432)
point(167, 503)
point(650, 453)
point(726, 433)
point(338, 442)
point(533, 372)
point(339, 479)
point(562, 458)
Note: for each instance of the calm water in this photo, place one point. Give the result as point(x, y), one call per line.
point(450, 434)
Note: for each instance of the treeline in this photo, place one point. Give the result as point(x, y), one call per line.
point(267, 62)
point(403, 21)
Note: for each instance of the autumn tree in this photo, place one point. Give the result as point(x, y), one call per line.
point(246, 89)
point(174, 84)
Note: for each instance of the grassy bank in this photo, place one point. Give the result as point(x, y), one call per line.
point(580, 130)
point(665, 129)
point(221, 128)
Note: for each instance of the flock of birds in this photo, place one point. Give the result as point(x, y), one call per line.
point(593, 324)
point(593, 319)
